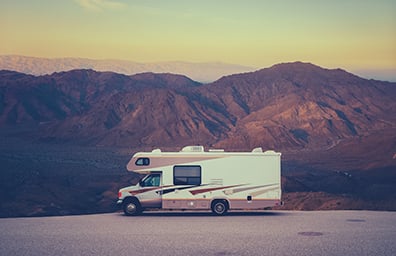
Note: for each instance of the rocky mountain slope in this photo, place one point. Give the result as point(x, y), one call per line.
point(294, 106)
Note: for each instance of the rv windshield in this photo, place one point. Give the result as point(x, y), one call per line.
point(151, 180)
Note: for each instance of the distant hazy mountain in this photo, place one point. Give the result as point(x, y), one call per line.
point(202, 72)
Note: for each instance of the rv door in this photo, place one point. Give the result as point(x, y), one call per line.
point(151, 196)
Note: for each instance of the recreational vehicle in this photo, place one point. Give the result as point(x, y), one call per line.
point(195, 179)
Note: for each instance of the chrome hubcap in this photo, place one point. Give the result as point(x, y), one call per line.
point(131, 208)
point(219, 208)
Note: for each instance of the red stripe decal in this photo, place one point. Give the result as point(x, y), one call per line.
point(135, 192)
point(204, 190)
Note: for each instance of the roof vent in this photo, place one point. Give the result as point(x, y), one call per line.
point(257, 150)
point(157, 150)
point(193, 149)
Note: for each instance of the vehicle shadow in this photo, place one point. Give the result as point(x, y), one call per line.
point(206, 214)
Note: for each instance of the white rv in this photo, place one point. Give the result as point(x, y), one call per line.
point(198, 180)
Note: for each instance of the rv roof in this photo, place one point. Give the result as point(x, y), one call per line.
point(200, 149)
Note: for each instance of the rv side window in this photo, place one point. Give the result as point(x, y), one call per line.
point(187, 175)
point(142, 161)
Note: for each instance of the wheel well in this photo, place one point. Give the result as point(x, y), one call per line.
point(131, 199)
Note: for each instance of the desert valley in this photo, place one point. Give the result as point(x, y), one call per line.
point(66, 137)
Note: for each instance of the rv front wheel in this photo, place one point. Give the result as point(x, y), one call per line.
point(132, 208)
point(219, 207)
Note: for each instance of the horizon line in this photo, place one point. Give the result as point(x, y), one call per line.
point(381, 74)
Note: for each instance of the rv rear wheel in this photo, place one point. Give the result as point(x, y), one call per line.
point(219, 207)
point(132, 207)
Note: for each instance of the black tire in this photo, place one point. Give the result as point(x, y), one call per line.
point(219, 207)
point(132, 207)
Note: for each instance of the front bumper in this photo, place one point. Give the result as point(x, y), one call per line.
point(119, 202)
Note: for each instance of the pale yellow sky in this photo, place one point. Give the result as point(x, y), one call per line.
point(350, 34)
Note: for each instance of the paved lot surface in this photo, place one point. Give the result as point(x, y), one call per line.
point(169, 233)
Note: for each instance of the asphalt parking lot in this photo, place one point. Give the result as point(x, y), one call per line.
point(200, 233)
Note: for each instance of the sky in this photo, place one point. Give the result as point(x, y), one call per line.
point(349, 34)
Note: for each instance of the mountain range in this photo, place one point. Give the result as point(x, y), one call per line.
point(203, 72)
point(291, 107)
point(336, 131)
